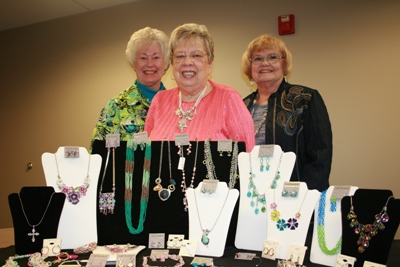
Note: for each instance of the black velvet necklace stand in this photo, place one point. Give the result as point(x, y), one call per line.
point(34, 202)
point(167, 216)
point(367, 203)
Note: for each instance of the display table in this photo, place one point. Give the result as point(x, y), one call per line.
point(226, 260)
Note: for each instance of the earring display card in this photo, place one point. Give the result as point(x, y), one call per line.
point(156, 240)
point(296, 253)
point(188, 248)
point(345, 261)
point(175, 241)
point(126, 260)
point(97, 260)
point(159, 253)
point(51, 247)
point(372, 264)
point(225, 145)
point(269, 249)
point(202, 261)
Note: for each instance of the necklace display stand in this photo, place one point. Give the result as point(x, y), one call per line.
point(251, 228)
point(212, 212)
point(367, 203)
point(332, 229)
point(78, 222)
point(288, 207)
point(39, 207)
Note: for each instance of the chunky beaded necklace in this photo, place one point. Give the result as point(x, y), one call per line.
point(129, 167)
point(73, 193)
point(367, 231)
point(321, 229)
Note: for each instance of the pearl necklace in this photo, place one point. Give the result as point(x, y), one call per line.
point(187, 115)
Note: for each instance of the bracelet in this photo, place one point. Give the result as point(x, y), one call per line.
point(77, 264)
point(35, 260)
point(85, 248)
point(63, 256)
point(162, 259)
point(118, 249)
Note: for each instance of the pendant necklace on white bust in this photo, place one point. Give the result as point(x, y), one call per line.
point(204, 237)
point(187, 115)
point(34, 233)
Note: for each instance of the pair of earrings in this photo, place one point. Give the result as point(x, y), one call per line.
point(266, 166)
point(221, 153)
point(293, 193)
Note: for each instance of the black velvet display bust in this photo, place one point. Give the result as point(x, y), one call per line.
point(367, 203)
point(167, 216)
point(28, 209)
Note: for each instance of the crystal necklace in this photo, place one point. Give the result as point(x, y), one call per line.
point(183, 183)
point(187, 115)
point(131, 147)
point(107, 200)
point(33, 232)
point(165, 193)
point(204, 237)
point(367, 231)
point(73, 193)
point(321, 229)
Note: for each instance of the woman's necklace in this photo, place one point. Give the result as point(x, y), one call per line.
point(292, 223)
point(73, 193)
point(253, 193)
point(165, 193)
point(187, 115)
point(183, 183)
point(144, 198)
point(33, 232)
point(204, 237)
point(107, 200)
point(367, 231)
point(262, 121)
point(321, 229)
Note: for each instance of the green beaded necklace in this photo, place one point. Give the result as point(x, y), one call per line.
point(144, 198)
point(321, 229)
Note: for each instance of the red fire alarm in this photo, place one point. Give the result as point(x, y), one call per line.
point(286, 24)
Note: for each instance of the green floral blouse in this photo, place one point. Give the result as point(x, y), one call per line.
point(125, 114)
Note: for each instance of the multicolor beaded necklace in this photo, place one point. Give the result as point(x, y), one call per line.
point(367, 231)
point(129, 167)
point(321, 229)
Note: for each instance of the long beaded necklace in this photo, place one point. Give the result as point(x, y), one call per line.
point(367, 231)
point(35, 260)
point(187, 115)
point(183, 183)
point(73, 193)
point(33, 232)
point(321, 229)
point(107, 200)
point(144, 198)
point(204, 237)
point(165, 193)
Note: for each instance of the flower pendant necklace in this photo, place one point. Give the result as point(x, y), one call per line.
point(165, 193)
point(187, 115)
point(73, 193)
point(204, 236)
point(33, 232)
point(367, 231)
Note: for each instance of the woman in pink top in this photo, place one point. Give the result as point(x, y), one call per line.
point(198, 107)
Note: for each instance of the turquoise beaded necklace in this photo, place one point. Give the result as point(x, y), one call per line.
point(321, 229)
point(144, 198)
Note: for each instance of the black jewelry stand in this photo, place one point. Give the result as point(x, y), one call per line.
point(367, 203)
point(35, 201)
point(167, 216)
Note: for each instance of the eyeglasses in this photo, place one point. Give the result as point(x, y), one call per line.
point(196, 56)
point(271, 59)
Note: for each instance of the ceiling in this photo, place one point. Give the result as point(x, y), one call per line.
point(17, 13)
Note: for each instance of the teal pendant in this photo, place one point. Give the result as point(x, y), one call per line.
point(204, 238)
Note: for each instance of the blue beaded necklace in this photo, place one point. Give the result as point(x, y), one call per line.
point(321, 229)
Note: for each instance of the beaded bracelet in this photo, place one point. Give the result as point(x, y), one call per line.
point(35, 260)
point(120, 249)
point(162, 259)
point(85, 248)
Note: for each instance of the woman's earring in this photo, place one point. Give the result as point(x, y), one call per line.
point(251, 82)
point(45, 250)
point(58, 250)
point(172, 77)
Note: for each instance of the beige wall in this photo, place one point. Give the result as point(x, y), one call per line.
point(57, 75)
